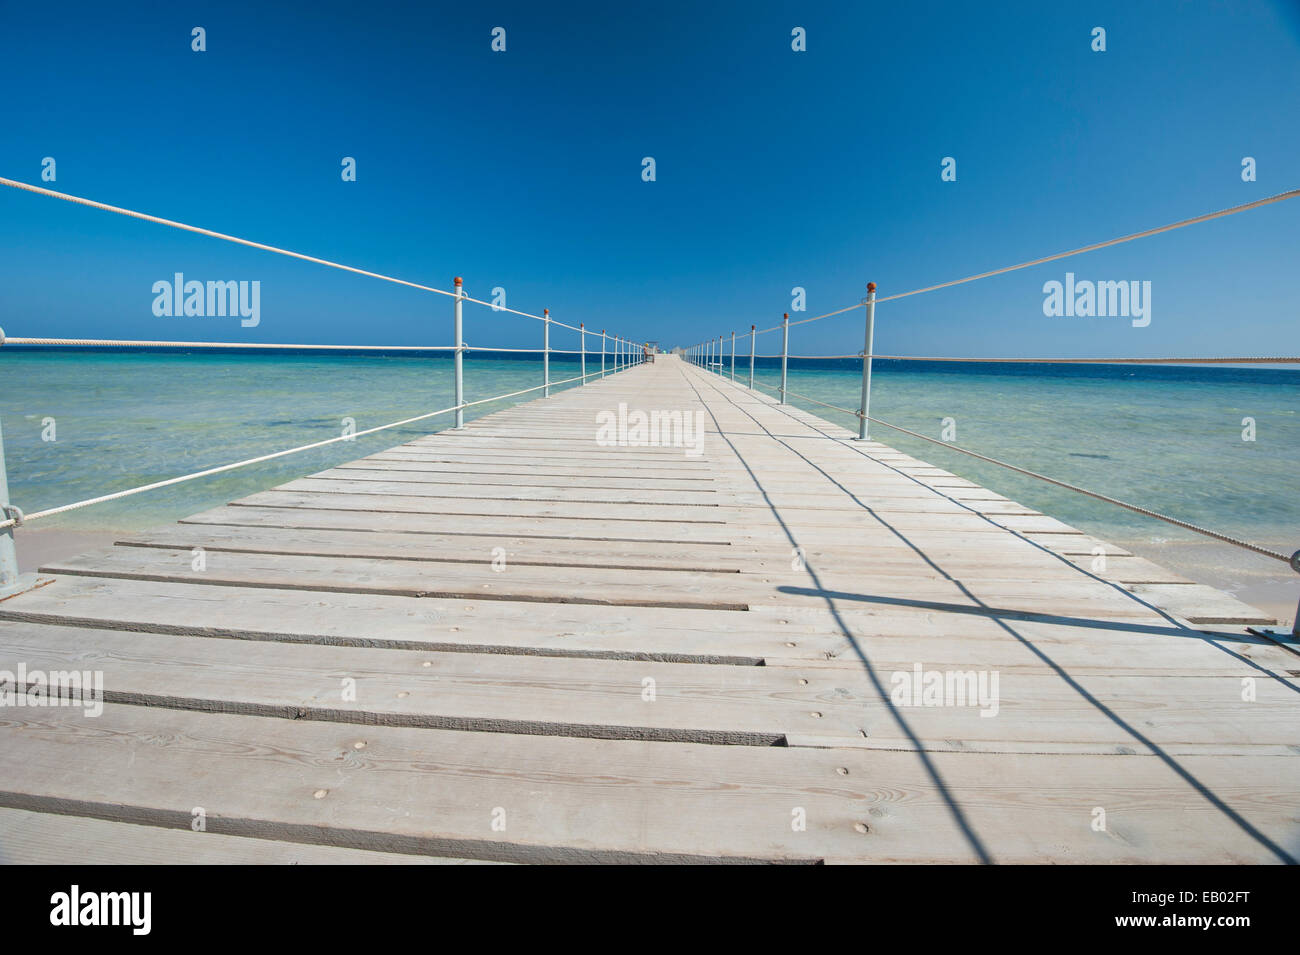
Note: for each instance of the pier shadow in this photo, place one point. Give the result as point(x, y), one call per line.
point(1000, 617)
point(950, 801)
point(1173, 629)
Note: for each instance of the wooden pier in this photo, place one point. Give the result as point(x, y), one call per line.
point(514, 643)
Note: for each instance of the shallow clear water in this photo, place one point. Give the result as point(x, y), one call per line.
point(124, 419)
point(1165, 438)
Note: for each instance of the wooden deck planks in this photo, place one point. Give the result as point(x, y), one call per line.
point(638, 654)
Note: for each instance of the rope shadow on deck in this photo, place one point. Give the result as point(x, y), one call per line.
point(1209, 795)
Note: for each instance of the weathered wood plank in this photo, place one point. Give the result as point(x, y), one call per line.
point(607, 699)
point(576, 799)
point(780, 587)
point(42, 838)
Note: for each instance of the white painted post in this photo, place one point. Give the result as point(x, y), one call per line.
point(751, 357)
point(8, 555)
point(733, 358)
point(458, 342)
point(785, 350)
point(546, 352)
point(582, 347)
point(602, 353)
point(868, 345)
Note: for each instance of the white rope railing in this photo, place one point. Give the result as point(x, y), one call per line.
point(710, 355)
point(226, 237)
point(266, 346)
point(622, 356)
point(21, 518)
point(1257, 360)
point(248, 346)
point(1119, 240)
point(1186, 525)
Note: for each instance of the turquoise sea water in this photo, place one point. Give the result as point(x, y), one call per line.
point(1167, 438)
point(128, 418)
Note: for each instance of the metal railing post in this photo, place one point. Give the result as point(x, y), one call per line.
point(546, 352)
point(733, 357)
point(459, 344)
point(582, 347)
point(602, 353)
point(751, 357)
point(868, 345)
point(10, 582)
point(785, 350)
point(8, 555)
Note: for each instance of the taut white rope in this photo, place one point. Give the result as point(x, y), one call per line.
point(1225, 538)
point(258, 346)
point(1068, 361)
point(40, 190)
point(103, 498)
point(172, 223)
point(255, 346)
point(1290, 194)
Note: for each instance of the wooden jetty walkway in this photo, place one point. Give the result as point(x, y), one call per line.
point(512, 643)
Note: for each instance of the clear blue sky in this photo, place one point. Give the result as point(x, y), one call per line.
point(523, 169)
